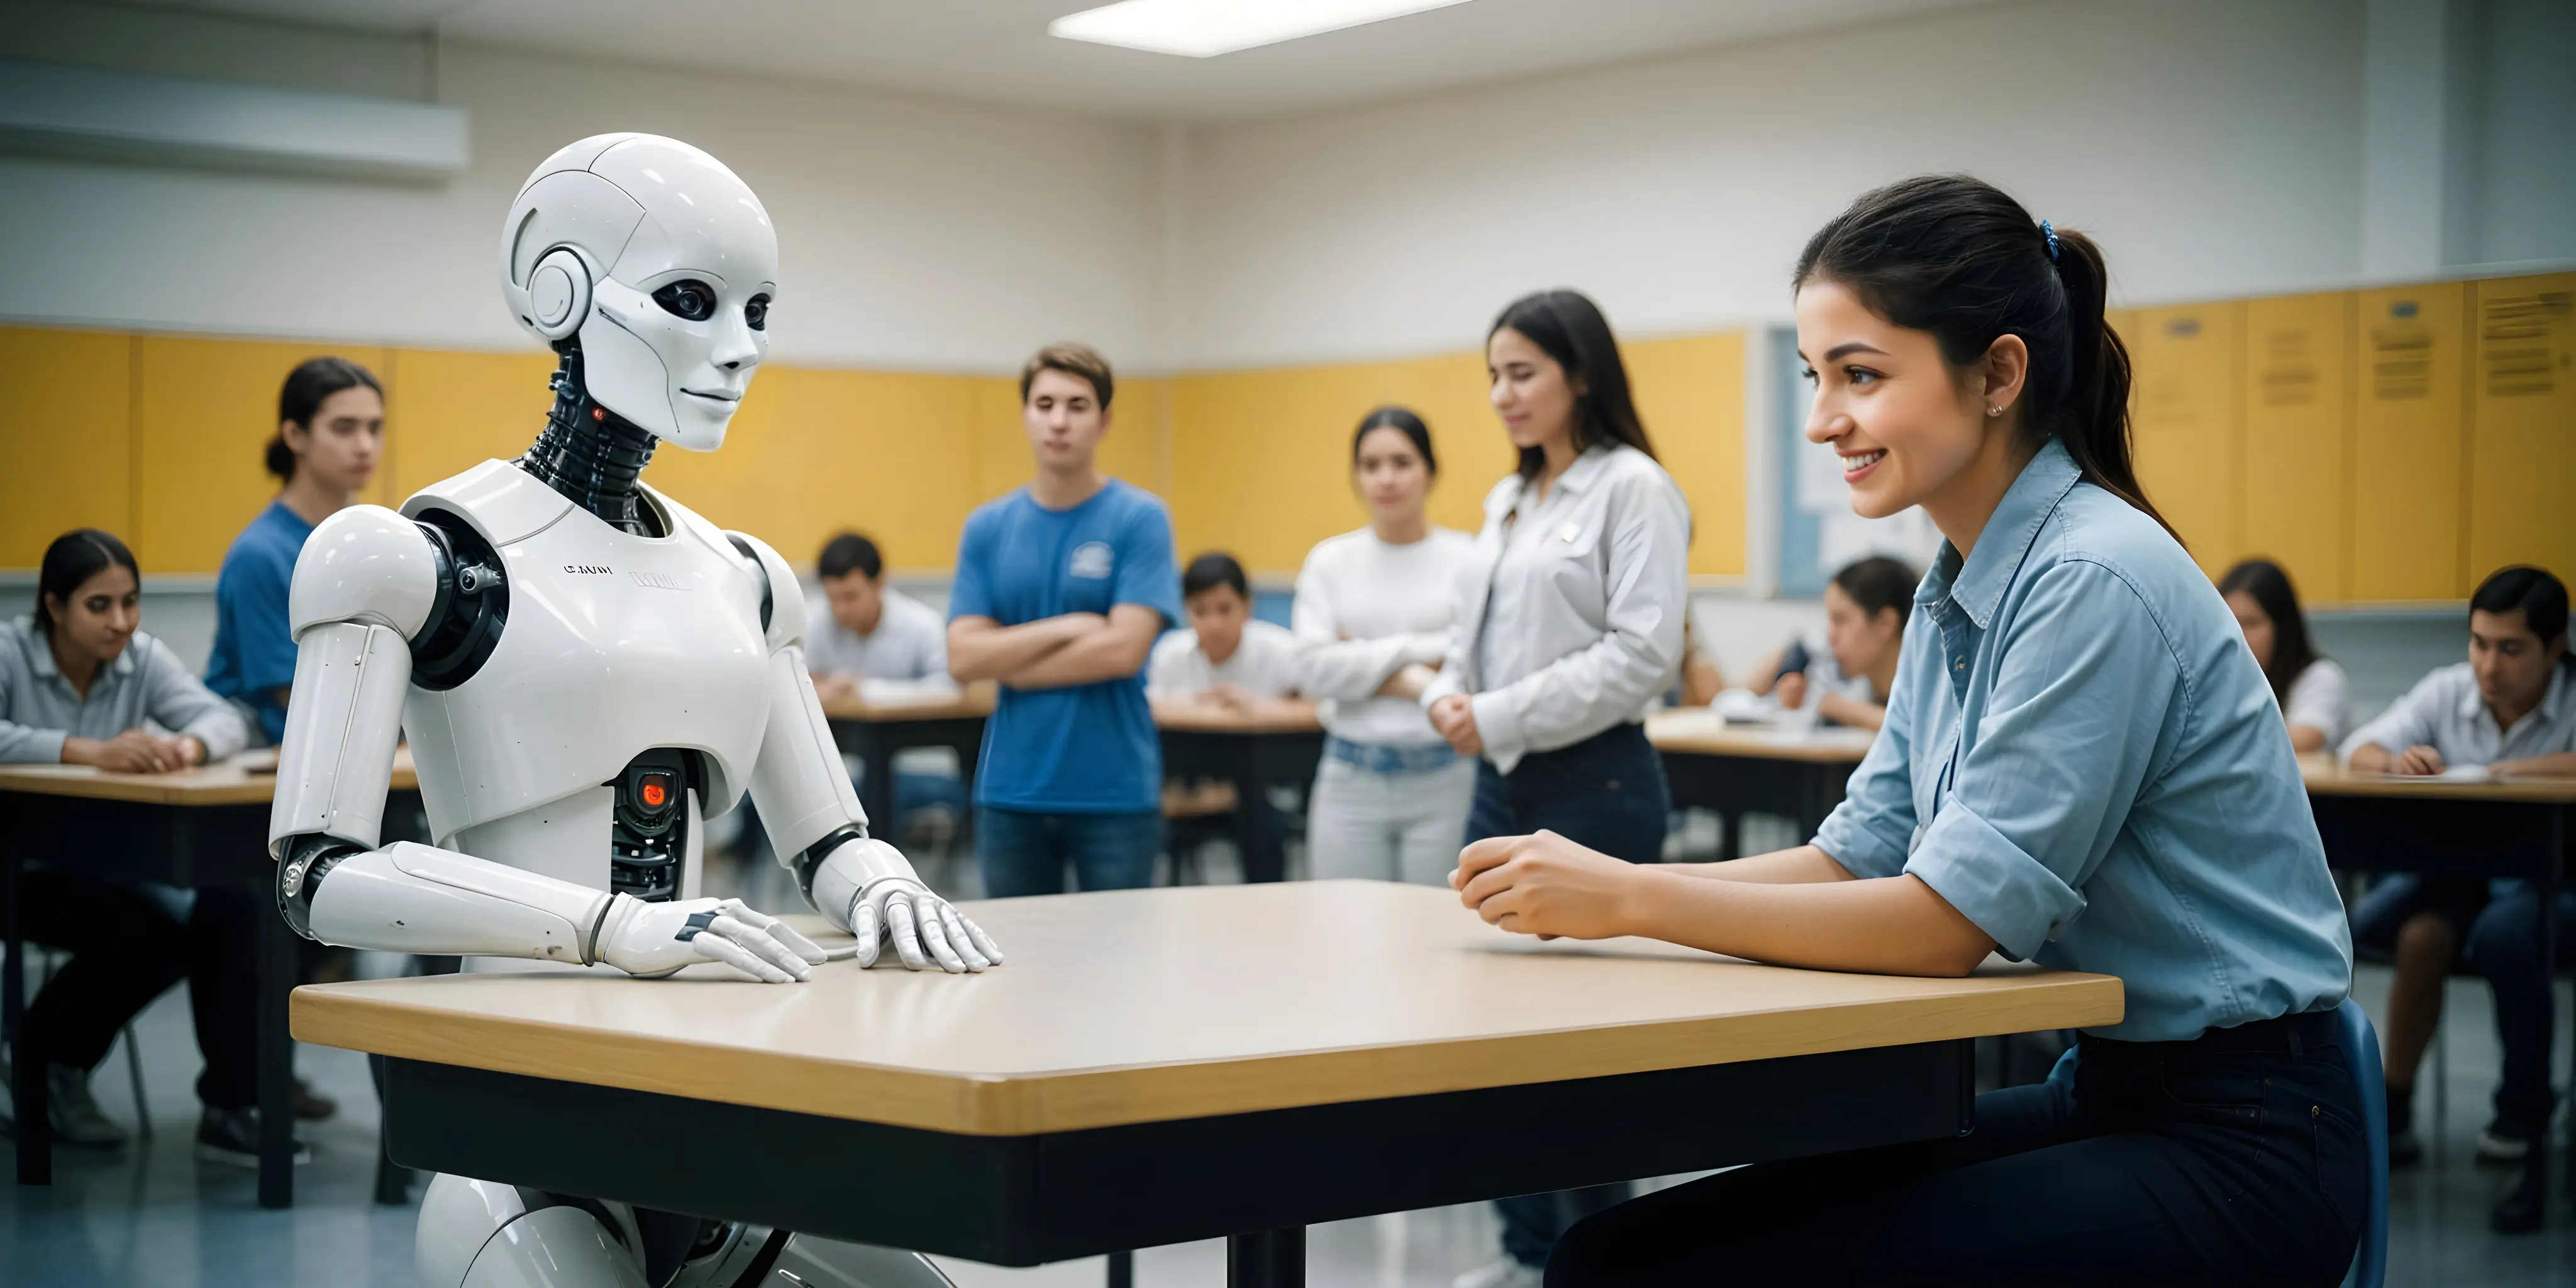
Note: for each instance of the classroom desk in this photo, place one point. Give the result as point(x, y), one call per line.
point(2511, 828)
point(1181, 1063)
point(875, 731)
point(1736, 770)
point(201, 827)
point(1255, 753)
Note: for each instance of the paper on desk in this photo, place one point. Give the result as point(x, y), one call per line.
point(2454, 774)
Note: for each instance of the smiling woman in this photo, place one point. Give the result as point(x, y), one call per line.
point(2080, 765)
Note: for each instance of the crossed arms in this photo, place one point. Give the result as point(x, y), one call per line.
point(1054, 652)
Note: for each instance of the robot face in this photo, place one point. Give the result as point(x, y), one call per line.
point(681, 264)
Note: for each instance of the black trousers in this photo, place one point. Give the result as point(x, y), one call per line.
point(1606, 792)
point(126, 948)
point(2234, 1159)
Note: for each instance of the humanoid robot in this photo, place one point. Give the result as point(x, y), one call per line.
point(587, 670)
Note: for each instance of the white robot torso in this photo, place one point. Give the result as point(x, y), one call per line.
point(615, 644)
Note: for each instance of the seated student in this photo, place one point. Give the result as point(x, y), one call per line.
point(876, 642)
point(1701, 680)
point(1866, 605)
point(79, 685)
point(2315, 700)
point(2512, 709)
point(1225, 657)
point(2078, 767)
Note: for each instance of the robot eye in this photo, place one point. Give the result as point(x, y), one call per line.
point(688, 298)
point(755, 312)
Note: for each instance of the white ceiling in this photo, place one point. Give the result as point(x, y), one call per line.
point(998, 50)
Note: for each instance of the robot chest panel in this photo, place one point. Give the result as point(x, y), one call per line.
point(615, 644)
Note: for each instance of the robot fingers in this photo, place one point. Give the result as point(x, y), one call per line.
point(752, 939)
point(776, 928)
point(964, 933)
point(901, 928)
point(934, 936)
point(717, 948)
point(871, 932)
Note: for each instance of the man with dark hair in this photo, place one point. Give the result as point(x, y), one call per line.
point(2509, 711)
point(1061, 588)
point(873, 639)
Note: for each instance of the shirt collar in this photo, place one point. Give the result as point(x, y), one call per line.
point(40, 652)
point(2553, 700)
point(1576, 477)
point(1978, 587)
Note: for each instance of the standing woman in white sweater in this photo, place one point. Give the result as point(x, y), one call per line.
point(1373, 619)
point(1571, 624)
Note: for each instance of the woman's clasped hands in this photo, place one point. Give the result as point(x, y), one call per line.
point(1545, 885)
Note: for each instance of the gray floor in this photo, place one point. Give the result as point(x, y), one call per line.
point(152, 1215)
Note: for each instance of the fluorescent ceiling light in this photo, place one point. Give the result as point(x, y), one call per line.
point(1206, 28)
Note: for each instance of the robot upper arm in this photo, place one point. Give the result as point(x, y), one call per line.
point(368, 565)
point(782, 615)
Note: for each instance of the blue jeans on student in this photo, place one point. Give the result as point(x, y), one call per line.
point(1021, 853)
point(2498, 924)
point(2234, 1158)
point(1606, 792)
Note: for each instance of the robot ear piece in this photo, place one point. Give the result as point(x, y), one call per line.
point(558, 294)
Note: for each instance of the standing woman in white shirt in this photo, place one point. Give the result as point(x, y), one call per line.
point(1373, 618)
point(1571, 624)
point(2316, 700)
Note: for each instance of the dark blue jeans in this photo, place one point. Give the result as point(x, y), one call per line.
point(2499, 929)
point(1020, 853)
point(1606, 792)
point(2149, 1163)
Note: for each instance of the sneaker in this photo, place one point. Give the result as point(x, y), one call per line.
point(232, 1136)
point(75, 1113)
point(312, 1106)
point(1502, 1272)
point(2506, 1141)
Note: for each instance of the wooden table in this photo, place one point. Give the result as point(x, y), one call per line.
point(2505, 828)
point(1736, 770)
point(1161, 1065)
point(1255, 752)
point(201, 827)
point(875, 731)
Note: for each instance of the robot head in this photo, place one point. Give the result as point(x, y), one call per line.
point(662, 262)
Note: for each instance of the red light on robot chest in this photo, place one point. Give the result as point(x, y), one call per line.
point(657, 792)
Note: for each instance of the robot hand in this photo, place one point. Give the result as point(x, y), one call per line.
point(658, 938)
point(888, 902)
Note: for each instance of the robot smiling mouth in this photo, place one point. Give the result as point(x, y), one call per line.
point(711, 395)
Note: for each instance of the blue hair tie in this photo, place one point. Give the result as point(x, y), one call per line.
point(2049, 231)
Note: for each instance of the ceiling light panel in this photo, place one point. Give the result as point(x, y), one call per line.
point(1206, 28)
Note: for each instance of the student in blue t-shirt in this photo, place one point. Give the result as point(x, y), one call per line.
point(330, 435)
point(1062, 588)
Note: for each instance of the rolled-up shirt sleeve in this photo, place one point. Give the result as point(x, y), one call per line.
point(1611, 679)
point(1869, 831)
point(180, 702)
point(2066, 740)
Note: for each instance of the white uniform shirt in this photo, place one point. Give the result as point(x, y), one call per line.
point(1587, 589)
point(2444, 711)
point(909, 647)
point(2321, 698)
point(1366, 610)
point(1264, 665)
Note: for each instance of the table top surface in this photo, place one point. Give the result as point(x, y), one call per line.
point(1698, 731)
point(1136, 1006)
point(247, 779)
point(1210, 718)
point(974, 700)
point(2325, 777)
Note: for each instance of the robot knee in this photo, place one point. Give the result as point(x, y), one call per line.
point(479, 1234)
point(832, 1263)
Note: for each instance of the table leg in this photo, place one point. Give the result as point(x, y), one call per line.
point(276, 1071)
point(2526, 1209)
point(26, 1070)
point(1252, 814)
point(1266, 1259)
point(1122, 1270)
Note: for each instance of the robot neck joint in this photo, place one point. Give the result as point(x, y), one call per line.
point(590, 454)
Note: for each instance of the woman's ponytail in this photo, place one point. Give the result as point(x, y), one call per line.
point(2095, 425)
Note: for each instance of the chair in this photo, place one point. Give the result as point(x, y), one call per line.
point(2361, 1047)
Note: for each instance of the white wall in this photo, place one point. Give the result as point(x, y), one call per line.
point(913, 235)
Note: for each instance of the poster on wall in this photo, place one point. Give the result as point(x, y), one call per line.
point(1819, 534)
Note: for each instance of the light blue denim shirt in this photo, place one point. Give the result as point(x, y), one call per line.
point(2082, 757)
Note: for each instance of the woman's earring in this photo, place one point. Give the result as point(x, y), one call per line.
point(1994, 411)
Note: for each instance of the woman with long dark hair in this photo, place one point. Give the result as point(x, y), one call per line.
point(330, 435)
point(1570, 626)
point(1375, 610)
point(2081, 765)
point(2315, 698)
point(81, 684)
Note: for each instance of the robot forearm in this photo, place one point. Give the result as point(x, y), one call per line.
point(409, 897)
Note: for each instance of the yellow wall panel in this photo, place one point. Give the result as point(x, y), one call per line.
point(2522, 455)
point(1690, 393)
point(2298, 428)
point(448, 411)
point(2409, 444)
point(815, 451)
point(2189, 367)
point(204, 409)
point(66, 429)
